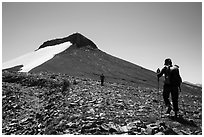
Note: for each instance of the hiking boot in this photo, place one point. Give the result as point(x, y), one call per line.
point(168, 110)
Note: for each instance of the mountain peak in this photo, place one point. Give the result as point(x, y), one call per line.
point(77, 40)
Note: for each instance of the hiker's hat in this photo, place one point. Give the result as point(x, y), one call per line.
point(167, 61)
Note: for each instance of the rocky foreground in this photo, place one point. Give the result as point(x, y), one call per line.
point(47, 104)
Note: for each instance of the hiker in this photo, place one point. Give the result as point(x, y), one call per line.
point(65, 86)
point(102, 77)
point(171, 85)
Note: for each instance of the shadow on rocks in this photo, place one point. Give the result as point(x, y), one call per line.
point(183, 121)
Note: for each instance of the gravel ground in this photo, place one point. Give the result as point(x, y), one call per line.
point(55, 104)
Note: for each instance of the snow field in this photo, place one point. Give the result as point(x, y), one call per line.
point(36, 58)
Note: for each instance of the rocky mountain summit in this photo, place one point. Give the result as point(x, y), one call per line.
point(77, 40)
point(55, 104)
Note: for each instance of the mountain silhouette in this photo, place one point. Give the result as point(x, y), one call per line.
point(84, 58)
point(77, 39)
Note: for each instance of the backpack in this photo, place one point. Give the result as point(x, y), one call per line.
point(172, 76)
point(175, 78)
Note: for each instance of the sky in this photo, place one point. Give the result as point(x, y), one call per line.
point(142, 33)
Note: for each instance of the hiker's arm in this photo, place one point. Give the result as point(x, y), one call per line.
point(161, 73)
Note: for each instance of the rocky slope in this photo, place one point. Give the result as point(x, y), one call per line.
point(54, 103)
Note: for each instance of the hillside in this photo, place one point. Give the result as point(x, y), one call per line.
point(84, 58)
point(42, 104)
point(77, 55)
point(91, 63)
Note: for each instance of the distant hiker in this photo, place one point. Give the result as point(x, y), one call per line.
point(102, 77)
point(65, 86)
point(171, 85)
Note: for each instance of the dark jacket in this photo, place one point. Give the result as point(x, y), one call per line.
point(171, 75)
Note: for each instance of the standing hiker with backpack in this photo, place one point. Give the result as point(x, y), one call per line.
point(171, 85)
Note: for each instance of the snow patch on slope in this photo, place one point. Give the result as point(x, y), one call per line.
point(36, 58)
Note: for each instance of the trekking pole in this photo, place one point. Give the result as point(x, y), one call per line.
point(160, 104)
point(158, 71)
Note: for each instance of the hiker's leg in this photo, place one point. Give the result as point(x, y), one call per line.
point(166, 92)
point(174, 95)
point(102, 82)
